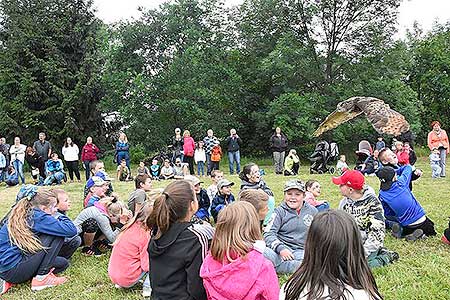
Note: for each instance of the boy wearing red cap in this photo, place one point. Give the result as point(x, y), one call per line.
point(361, 202)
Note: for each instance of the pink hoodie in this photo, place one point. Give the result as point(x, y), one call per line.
point(309, 197)
point(250, 278)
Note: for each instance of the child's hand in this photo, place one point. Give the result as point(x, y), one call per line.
point(286, 254)
point(418, 172)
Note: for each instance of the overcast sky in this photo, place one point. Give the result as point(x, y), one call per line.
point(425, 12)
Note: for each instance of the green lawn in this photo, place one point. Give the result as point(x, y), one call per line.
point(423, 271)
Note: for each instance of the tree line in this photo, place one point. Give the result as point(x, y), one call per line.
point(195, 64)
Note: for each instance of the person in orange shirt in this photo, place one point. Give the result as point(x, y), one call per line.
point(438, 139)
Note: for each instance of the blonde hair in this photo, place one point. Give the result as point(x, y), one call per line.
point(237, 228)
point(186, 133)
point(19, 228)
point(141, 216)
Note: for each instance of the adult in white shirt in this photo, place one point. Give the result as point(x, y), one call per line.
point(70, 153)
point(17, 152)
point(334, 266)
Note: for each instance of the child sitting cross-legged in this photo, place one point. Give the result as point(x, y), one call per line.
point(259, 199)
point(236, 268)
point(223, 197)
point(123, 173)
point(344, 274)
point(286, 232)
point(30, 243)
point(313, 191)
point(129, 258)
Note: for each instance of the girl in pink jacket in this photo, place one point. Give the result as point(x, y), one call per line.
point(129, 261)
point(312, 192)
point(235, 268)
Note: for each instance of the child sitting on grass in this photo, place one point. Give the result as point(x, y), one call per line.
point(202, 198)
point(30, 243)
point(54, 168)
point(142, 169)
point(123, 173)
point(286, 232)
point(177, 247)
point(12, 178)
point(343, 275)
point(236, 268)
point(166, 172)
point(222, 198)
point(216, 176)
point(260, 201)
point(341, 165)
point(400, 205)
point(129, 257)
point(311, 194)
point(154, 169)
point(143, 184)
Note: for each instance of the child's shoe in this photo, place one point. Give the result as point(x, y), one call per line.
point(50, 280)
point(444, 240)
point(397, 230)
point(4, 286)
point(417, 234)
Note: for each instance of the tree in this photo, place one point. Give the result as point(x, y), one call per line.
point(50, 67)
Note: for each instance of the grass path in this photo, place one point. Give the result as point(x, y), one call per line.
point(423, 271)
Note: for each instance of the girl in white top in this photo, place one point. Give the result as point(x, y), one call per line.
point(17, 152)
point(70, 153)
point(334, 266)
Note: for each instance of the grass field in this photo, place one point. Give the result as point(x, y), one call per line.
point(423, 271)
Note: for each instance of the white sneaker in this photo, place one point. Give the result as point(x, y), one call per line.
point(146, 291)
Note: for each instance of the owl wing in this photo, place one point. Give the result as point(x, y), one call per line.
point(335, 119)
point(384, 119)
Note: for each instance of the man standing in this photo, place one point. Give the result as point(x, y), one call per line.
point(43, 147)
point(4, 148)
point(210, 141)
point(233, 143)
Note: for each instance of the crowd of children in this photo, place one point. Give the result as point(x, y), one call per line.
point(165, 239)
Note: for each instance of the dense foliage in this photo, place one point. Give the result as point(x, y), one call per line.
point(195, 64)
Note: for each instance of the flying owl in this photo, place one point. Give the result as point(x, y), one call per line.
point(384, 119)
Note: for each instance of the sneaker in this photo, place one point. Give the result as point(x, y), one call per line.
point(146, 291)
point(397, 231)
point(50, 280)
point(4, 286)
point(417, 234)
point(444, 240)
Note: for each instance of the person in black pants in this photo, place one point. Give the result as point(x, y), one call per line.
point(70, 152)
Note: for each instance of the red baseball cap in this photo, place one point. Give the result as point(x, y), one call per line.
point(351, 178)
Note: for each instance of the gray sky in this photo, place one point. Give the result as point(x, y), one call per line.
point(425, 12)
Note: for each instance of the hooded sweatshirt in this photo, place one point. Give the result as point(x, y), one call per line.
point(245, 185)
point(288, 228)
point(399, 201)
point(368, 214)
point(175, 260)
point(251, 277)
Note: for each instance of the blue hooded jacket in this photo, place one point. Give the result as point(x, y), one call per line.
point(399, 201)
point(40, 222)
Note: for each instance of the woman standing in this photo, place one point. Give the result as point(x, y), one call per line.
point(278, 144)
point(188, 149)
point(70, 153)
point(89, 154)
point(438, 139)
point(177, 144)
point(123, 150)
point(17, 152)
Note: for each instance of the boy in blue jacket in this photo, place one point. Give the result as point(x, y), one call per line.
point(400, 205)
point(222, 198)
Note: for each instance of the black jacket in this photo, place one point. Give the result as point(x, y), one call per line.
point(278, 143)
point(175, 260)
point(233, 144)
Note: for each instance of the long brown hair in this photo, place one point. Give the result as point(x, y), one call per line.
point(171, 206)
point(19, 227)
point(141, 216)
point(237, 228)
point(334, 258)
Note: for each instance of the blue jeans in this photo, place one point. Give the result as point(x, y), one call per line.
point(201, 168)
point(284, 266)
point(18, 166)
point(232, 158)
point(124, 155)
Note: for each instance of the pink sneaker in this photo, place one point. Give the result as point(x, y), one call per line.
point(4, 286)
point(50, 280)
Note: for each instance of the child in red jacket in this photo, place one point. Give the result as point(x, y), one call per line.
point(216, 156)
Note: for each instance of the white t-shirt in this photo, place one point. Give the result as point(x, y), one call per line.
point(17, 152)
point(351, 294)
point(70, 153)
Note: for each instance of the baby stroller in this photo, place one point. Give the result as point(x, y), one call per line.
point(322, 155)
point(363, 152)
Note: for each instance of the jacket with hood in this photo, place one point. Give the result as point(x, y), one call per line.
point(245, 185)
point(288, 228)
point(369, 215)
point(219, 202)
point(175, 260)
point(399, 201)
point(251, 277)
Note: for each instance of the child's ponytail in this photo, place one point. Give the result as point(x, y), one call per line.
point(19, 228)
point(171, 206)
